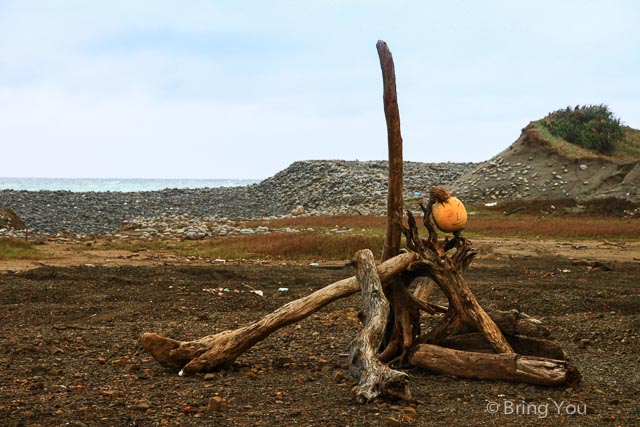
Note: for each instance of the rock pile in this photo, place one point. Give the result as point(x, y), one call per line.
point(184, 227)
point(309, 187)
point(349, 187)
point(10, 220)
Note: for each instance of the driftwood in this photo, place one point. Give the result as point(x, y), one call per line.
point(424, 288)
point(506, 367)
point(223, 348)
point(374, 378)
point(446, 272)
point(528, 346)
point(514, 322)
point(395, 204)
point(404, 319)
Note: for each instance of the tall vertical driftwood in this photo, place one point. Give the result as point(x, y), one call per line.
point(404, 319)
point(374, 378)
point(394, 141)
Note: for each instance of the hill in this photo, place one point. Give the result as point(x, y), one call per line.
point(539, 165)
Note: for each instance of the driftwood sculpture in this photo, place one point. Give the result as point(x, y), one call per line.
point(466, 341)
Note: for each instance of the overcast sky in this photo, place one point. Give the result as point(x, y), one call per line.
point(241, 89)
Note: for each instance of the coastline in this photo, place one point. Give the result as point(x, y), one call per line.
point(118, 185)
point(320, 187)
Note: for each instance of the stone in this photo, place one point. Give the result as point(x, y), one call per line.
point(141, 406)
point(216, 404)
point(298, 210)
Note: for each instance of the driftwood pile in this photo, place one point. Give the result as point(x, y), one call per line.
point(467, 341)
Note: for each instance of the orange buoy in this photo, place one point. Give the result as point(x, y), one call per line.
point(449, 215)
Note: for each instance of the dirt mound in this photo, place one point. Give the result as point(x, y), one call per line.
point(534, 168)
point(10, 220)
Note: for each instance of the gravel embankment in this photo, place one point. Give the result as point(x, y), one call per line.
point(527, 169)
point(310, 187)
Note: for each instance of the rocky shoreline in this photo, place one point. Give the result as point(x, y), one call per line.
point(321, 187)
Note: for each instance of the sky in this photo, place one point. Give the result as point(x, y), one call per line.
point(241, 89)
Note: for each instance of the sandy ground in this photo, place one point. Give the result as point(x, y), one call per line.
point(70, 352)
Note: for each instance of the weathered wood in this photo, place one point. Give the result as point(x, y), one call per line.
point(528, 346)
point(223, 348)
point(404, 318)
point(463, 307)
point(406, 322)
point(504, 367)
point(394, 141)
point(514, 322)
point(424, 288)
point(446, 271)
point(374, 378)
point(510, 322)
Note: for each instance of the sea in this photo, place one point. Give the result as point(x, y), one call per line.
point(116, 184)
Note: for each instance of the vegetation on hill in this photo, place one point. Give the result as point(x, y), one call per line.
point(585, 131)
point(590, 126)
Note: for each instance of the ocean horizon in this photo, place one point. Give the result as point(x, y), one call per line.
point(116, 184)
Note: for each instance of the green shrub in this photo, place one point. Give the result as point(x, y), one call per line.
point(590, 126)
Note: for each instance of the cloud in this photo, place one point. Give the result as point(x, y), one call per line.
point(242, 89)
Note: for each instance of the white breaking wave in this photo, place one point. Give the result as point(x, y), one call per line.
point(116, 184)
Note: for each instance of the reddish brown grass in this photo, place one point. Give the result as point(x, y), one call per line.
point(368, 232)
point(555, 227)
point(323, 222)
point(488, 224)
point(294, 246)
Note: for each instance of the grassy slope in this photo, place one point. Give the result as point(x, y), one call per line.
point(629, 149)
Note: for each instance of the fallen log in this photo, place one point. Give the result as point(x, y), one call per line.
point(374, 378)
point(528, 346)
point(504, 366)
point(221, 349)
point(514, 322)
